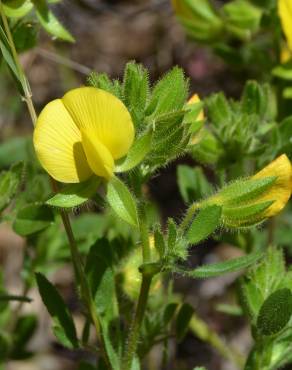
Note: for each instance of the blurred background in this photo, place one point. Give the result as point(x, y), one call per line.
point(108, 34)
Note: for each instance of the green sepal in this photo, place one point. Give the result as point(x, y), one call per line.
point(75, 194)
point(249, 214)
point(244, 190)
point(204, 224)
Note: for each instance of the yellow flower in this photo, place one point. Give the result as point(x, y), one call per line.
point(83, 134)
point(285, 14)
point(280, 191)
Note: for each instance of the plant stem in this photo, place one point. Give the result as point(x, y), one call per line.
point(134, 332)
point(76, 259)
point(136, 323)
point(11, 297)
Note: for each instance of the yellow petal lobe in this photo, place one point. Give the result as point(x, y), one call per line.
point(105, 115)
point(98, 156)
point(57, 142)
point(280, 191)
point(285, 14)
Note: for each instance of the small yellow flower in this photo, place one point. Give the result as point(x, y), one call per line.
point(83, 134)
point(280, 191)
point(285, 14)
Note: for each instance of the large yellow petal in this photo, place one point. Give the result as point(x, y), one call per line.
point(280, 191)
point(285, 14)
point(104, 114)
point(57, 142)
point(98, 156)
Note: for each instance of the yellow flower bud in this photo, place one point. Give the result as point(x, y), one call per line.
point(197, 131)
point(280, 191)
point(83, 134)
point(132, 277)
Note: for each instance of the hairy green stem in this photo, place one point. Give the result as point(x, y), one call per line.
point(135, 326)
point(136, 323)
point(77, 263)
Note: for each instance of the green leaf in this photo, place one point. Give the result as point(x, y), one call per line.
point(57, 308)
point(204, 224)
point(7, 55)
point(75, 194)
point(169, 312)
point(25, 36)
point(137, 153)
point(242, 14)
point(9, 184)
point(219, 110)
point(14, 150)
point(192, 182)
point(275, 312)
point(50, 22)
point(17, 8)
point(24, 330)
point(122, 201)
point(136, 90)
point(33, 218)
point(183, 319)
point(220, 268)
point(100, 276)
point(253, 100)
point(4, 347)
point(169, 94)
